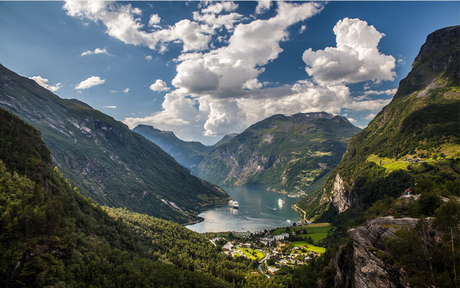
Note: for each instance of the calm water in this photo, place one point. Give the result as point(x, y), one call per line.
point(259, 210)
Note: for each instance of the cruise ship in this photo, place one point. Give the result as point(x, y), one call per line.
point(233, 204)
point(281, 201)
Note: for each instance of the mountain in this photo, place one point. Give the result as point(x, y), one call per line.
point(282, 153)
point(188, 154)
point(52, 236)
point(225, 139)
point(413, 140)
point(108, 162)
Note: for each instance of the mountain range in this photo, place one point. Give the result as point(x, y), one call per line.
point(104, 158)
point(288, 154)
point(187, 153)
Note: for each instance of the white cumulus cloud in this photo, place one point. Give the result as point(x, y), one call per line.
point(90, 82)
point(110, 107)
point(123, 22)
point(44, 83)
point(126, 90)
point(355, 59)
point(149, 57)
point(263, 6)
point(159, 85)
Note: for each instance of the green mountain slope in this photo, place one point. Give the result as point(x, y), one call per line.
point(52, 236)
point(187, 153)
point(413, 139)
point(107, 161)
point(281, 153)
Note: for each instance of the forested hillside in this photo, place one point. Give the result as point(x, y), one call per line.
point(108, 162)
point(51, 235)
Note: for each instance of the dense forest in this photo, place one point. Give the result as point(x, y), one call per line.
point(51, 235)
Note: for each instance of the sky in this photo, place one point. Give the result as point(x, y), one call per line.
point(206, 69)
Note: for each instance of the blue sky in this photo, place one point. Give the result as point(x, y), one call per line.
point(206, 69)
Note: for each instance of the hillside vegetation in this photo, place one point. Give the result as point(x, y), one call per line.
point(107, 161)
point(53, 236)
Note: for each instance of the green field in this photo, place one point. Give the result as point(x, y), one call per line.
point(310, 247)
point(311, 228)
point(248, 253)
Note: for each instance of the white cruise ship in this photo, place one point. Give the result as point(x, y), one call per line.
point(233, 204)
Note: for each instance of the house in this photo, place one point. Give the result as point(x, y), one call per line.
point(272, 270)
point(228, 247)
point(280, 237)
point(247, 245)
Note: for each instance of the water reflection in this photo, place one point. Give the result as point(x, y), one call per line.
point(258, 210)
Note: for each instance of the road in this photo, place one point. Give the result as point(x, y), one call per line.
point(262, 261)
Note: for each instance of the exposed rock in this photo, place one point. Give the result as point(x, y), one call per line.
point(340, 197)
point(359, 263)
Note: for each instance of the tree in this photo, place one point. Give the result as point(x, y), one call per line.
point(447, 220)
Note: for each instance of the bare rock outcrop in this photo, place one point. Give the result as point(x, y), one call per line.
point(361, 262)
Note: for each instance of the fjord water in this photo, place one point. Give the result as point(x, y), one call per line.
point(259, 210)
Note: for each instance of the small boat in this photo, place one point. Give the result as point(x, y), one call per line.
point(233, 204)
point(281, 201)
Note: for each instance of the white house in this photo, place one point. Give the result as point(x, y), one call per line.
point(228, 247)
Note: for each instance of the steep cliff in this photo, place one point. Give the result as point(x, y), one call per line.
point(363, 261)
point(414, 137)
point(288, 154)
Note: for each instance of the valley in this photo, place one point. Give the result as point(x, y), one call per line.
point(299, 197)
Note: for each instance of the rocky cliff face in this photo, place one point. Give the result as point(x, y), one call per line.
point(339, 197)
point(361, 262)
point(287, 154)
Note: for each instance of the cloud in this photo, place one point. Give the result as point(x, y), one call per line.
point(351, 120)
point(113, 91)
point(148, 57)
point(111, 107)
point(226, 72)
point(370, 116)
point(382, 92)
point(43, 82)
point(123, 22)
point(217, 22)
point(263, 6)
point(219, 7)
point(218, 91)
point(154, 20)
point(355, 59)
point(126, 90)
point(96, 51)
point(90, 82)
point(159, 85)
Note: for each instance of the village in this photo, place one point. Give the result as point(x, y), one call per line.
point(274, 249)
